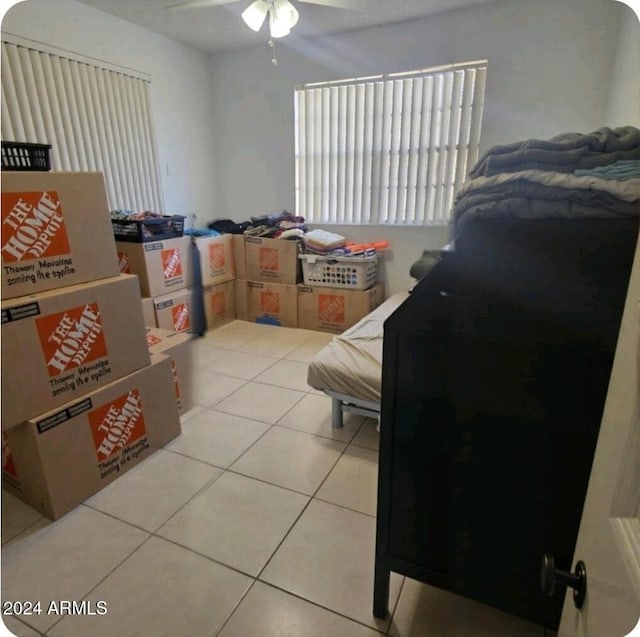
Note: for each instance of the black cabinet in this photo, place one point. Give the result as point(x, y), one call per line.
point(495, 373)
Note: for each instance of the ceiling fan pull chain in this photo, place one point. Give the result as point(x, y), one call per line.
point(272, 44)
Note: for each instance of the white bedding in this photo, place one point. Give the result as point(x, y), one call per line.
point(352, 363)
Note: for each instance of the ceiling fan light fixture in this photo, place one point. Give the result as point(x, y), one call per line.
point(284, 10)
point(255, 14)
point(282, 18)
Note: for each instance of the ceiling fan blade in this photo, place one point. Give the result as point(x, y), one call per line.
point(354, 5)
point(198, 4)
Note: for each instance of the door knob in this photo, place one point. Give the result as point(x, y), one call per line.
point(550, 576)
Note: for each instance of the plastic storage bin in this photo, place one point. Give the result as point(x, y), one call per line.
point(25, 156)
point(353, 273)
point(151, 229)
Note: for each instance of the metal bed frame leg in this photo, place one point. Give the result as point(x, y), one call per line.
point(336, 413)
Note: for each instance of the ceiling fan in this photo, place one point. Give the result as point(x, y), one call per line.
point(283, 16)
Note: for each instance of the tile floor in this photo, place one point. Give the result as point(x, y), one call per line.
point(259, 520)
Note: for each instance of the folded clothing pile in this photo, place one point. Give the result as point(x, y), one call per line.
point(572, 175)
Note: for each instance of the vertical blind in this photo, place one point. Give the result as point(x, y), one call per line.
point(95, 119)
point(390, 149)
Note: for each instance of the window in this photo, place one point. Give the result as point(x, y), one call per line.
point(95, 118)
point(389, 149)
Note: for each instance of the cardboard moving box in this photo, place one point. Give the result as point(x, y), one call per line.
point(178, 346)
point(58, 459)
point(239, 258)
point(56, 231)
point(334, 310)
point(272, 303)
point(149, 313)
point(161, 266)
point(173, 311)
point(272, 260)
point(61, 344)
point(242, 300)
point(219, 304)
point(216, 259)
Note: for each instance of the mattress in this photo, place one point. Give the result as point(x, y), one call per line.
point(352, 363)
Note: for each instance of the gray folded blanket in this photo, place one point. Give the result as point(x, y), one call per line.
point(526, 200)
point(562, 153)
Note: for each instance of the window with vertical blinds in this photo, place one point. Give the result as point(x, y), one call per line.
point(390, 149)
point(95, 118)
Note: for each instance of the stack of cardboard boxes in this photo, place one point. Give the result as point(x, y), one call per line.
point(82, 399)
point(165, 272)
point(269, 290)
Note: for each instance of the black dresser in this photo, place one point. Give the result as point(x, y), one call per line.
point(495, 373)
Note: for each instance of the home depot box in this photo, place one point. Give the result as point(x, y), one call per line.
point(50, 221)
point(58, 459)
point(216, 259)
point(149, 313)
point(272, 260)
point(178, 347)
point(61, 344)
point(161, 266)
point(173, 311)
point(272, 303)
point(334, 310)
point(239, 258)
point(241, 292)
point(220, 304)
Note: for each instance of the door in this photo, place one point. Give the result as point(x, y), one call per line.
point(609, 538)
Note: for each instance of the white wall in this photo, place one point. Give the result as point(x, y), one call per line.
point(624, 104)
point(549, 64)
point(181, 87)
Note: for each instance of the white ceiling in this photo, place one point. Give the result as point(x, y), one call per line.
point(214, 29)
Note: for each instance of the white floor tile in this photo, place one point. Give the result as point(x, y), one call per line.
point(162, 590)
point(257, 401)
point(189, 414)
point(313, 415)
point(353, 482)
point(216, 437)
point(368, 436)
point(242, 365)
point(154, 490)
point(237, 521)
point(17, 628)
point(328, 558)
point(304, 353)
point(66, 559)
point(268, 612)
point(290, 459)
point(210, 387)
point(16, 516)
point(204, 354)
point(274, 346)
point(233, 335)
point(426, 610)
point(284, 373)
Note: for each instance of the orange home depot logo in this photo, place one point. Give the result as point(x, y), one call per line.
point(7, 459)
point(32, 226)
point(123, 261)
point(331, 308)
point(117, 424)
point(152, 339)
point(171, 264)
point(269, 259)
point(218, 304)
point(270, 302)
point(181, 318)
point(71, 338)
point(216, 257)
